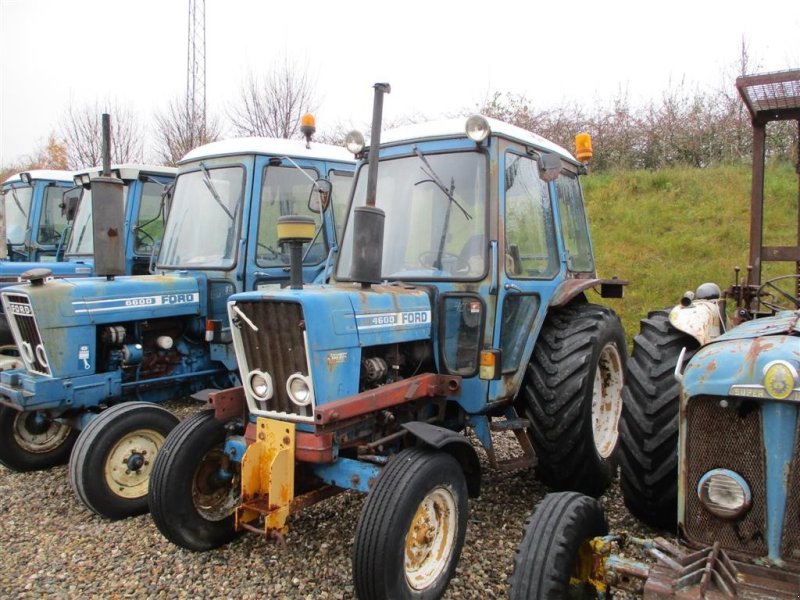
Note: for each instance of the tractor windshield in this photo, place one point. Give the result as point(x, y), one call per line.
point(435, 226)
point(18, 208)
point(81, 239)
point(202, 228)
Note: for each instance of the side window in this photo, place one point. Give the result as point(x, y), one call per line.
point(574, 226)
point(150, 221)
point(285, 191)
point(531, 250)
point(342, 182)
point(54, 218)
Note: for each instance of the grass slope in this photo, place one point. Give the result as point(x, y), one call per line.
point(669, 231)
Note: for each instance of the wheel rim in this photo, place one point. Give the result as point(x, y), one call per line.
point(607, 400)
point(430, 538)
point(128, 464)
point(36, 433)
point(215, 489)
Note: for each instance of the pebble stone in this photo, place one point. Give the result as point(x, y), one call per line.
point(52, 546)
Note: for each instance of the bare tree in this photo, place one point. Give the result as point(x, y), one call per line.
point(178, 131)
point(82, 131)
point(271, 105)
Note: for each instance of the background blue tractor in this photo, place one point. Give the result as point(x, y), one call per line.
point(459, 304)
point(711, 432)
point(89, 344)
point(144, 188)
point(34, 218)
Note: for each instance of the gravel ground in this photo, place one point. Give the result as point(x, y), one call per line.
point(51, 546)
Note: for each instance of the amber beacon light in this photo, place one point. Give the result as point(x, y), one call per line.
point(583, 147)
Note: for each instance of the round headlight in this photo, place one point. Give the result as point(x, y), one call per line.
point(354, 142)
point(724, 493)
point(780, 379)
point(260, 384)
point(299, 390)
point(477, 128)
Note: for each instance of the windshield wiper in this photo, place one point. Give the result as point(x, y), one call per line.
point(213, 190)
point(17, 202)
point(434, 179)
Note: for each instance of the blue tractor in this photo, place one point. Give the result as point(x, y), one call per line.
point(459, 303)
point(100, 351)
point(144, 188)
point(711, 432)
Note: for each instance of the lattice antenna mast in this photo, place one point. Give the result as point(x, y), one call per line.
point(196, 65)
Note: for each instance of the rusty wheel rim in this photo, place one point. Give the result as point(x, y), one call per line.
point(431, 538)
point(38, 434)
point(215, 498)
point(607, 400)
point(129, 462)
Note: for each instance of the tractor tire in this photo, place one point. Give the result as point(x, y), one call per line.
point(411, 530)
point(572, 396)
point(110, 466)
point(546, 564)
point(649, 425)
point(31, 441)
point(189, 504)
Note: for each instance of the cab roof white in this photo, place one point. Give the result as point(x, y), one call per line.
point(269, 146)
point(449, 128)
point(48, 174)
point(129, 171)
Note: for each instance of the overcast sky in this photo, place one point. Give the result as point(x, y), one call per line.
point(439, 56)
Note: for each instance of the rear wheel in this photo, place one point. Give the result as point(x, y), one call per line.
point(194, 488)
point(554, 557)
point(572, 396)
point(32, 440)
point(411, 530)
point(111, 463)
point(649, 426)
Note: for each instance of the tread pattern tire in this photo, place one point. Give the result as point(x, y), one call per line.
point(380, 538)
point(17, 458)
point(556, 396)
point(546, 556)
point(87, 464)
point(170, 496)
point(649, 424)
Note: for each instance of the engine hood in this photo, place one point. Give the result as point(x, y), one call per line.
point(60, 303)
point(736, 363)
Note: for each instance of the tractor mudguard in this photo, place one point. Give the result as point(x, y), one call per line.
point(702, 320)
point(567, 290)
point(454, 444)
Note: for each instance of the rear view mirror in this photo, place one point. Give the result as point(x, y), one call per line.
point(320, 195)
point(549, 166)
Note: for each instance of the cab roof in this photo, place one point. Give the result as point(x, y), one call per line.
point(448, 128)
point(269, 146)
point(48, 174)
point(130, 171)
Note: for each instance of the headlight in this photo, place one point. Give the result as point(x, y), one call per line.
point(780, 379)
point(477, 128)
point(260, 384)
point(354, 142)
point(724, 493)
point(299, 389)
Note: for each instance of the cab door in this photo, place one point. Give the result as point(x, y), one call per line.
point(530, 265)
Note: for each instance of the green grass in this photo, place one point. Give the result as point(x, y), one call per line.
point(669, 231)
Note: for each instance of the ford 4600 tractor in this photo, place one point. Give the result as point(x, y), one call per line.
point(90, 344)
point(460, 302)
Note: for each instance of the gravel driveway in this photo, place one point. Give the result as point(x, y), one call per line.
point(50, 545)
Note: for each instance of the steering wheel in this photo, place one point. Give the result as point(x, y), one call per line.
point(449, 261)
point(777, 299)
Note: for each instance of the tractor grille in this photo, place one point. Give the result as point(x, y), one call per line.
point(277, 348)
point(729, 438)
point(26, 333)
point(790, 546)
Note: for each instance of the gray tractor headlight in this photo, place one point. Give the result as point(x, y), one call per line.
point(260, 384)
point(299, 389)
point(724, 493)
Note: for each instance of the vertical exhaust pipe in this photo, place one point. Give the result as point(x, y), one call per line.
point(368, 221)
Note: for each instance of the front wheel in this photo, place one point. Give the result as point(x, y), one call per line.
point(572, 395)
point(32, 440)
point(411, 530)
point(195, 488)
point(110, 466)
point(554, 558)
